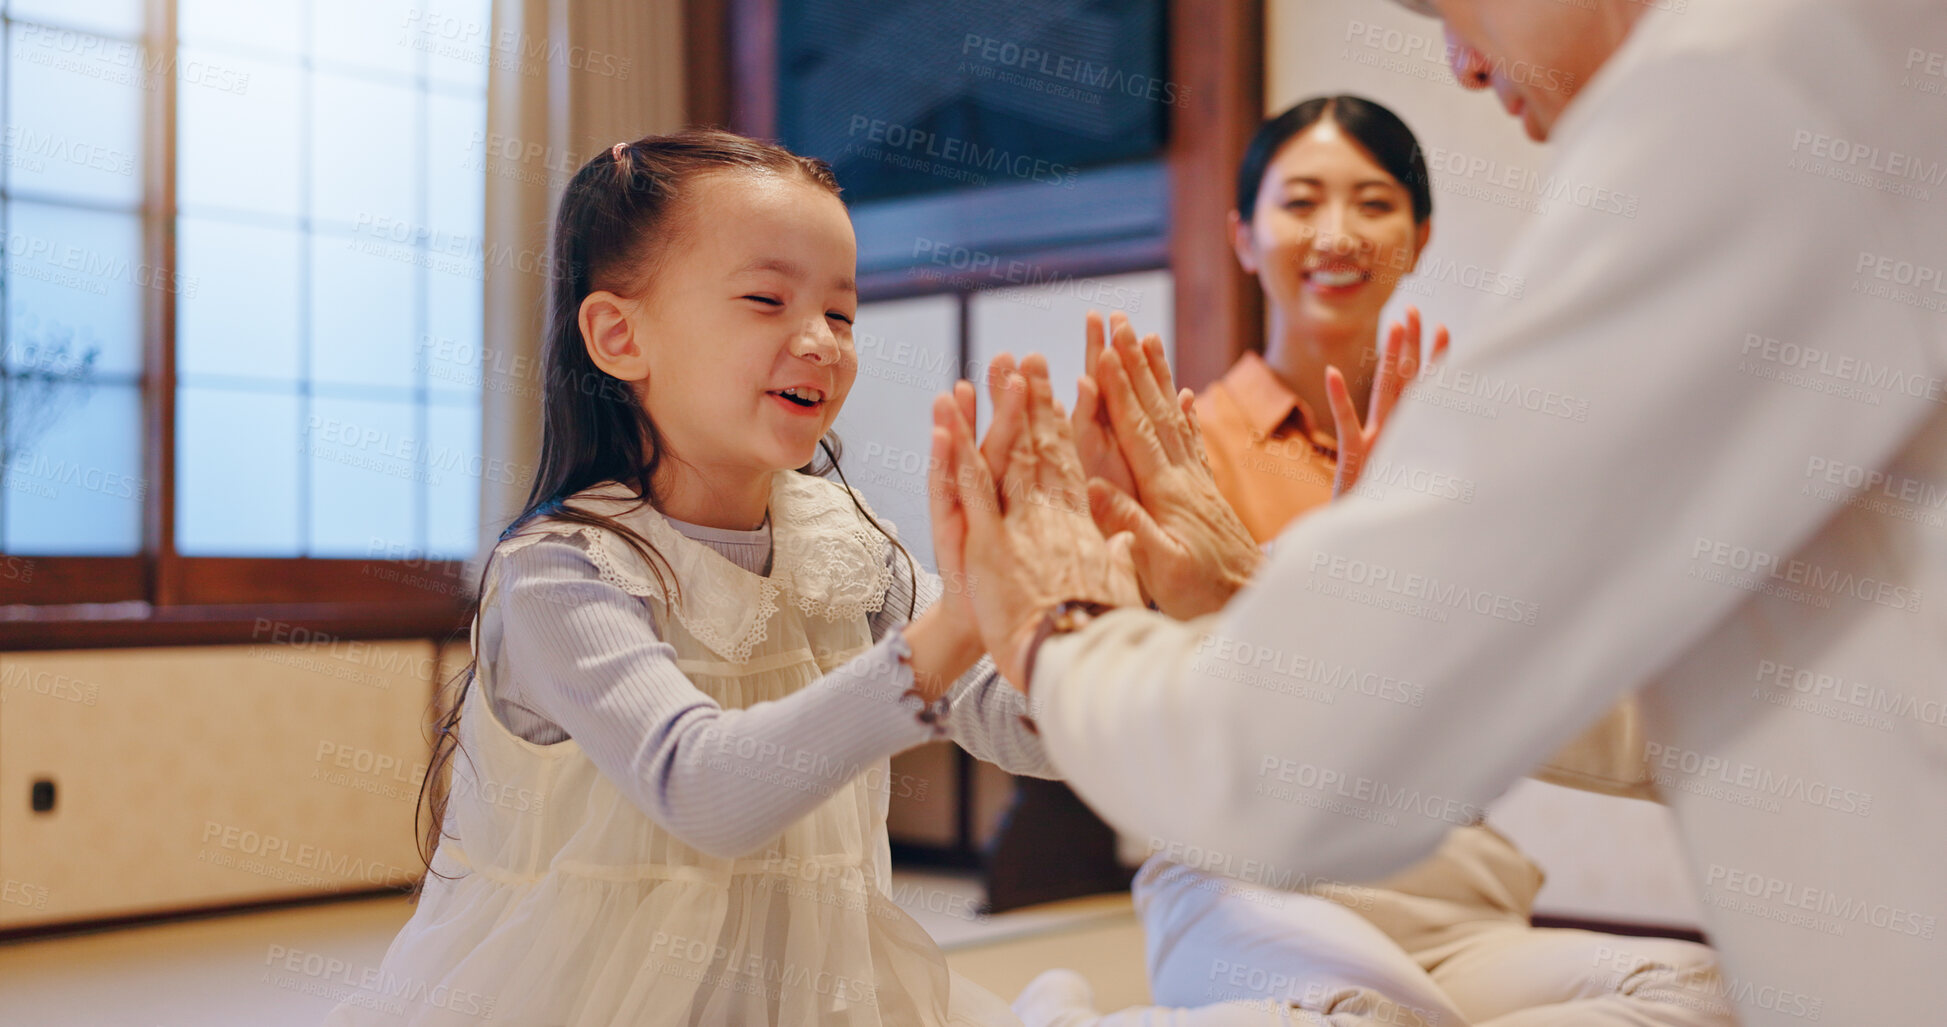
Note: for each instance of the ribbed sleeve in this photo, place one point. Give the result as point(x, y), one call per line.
point(581, 655)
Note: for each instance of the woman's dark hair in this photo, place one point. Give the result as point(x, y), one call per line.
point(1376, 129)
point(617, 219)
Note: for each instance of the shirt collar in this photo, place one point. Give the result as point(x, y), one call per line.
point(1270, 407)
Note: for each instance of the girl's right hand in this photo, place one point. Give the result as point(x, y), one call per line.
point(1094, 434)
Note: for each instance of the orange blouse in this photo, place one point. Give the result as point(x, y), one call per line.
point(1269, 457)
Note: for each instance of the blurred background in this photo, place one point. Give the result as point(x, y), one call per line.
point(270, 316)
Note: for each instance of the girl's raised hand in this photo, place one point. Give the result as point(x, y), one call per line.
point(1399, 363)
point(949, 519)
point(1094, 434)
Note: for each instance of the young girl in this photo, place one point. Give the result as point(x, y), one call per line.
point(694, 655)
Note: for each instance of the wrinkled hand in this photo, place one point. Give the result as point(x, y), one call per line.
point(1191, 551)
point(1029, 541)
point(1398, 365)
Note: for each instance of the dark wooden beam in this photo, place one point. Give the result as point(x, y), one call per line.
point(1217, 61)
point(706, 63)
point(753, 67)
point(131, 625)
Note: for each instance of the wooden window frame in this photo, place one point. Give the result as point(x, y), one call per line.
point(158, 596)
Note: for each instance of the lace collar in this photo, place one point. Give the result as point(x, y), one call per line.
point(826, 560)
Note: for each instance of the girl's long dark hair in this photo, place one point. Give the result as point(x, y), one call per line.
point(618, 218)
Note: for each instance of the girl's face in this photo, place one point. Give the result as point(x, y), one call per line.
point(746, 328)
point(1332, 232)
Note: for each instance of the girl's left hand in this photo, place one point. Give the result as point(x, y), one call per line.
point(1399, 364)
point(1022, 499)
point(949, 522)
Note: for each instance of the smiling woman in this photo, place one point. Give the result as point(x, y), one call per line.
point(1333, 208)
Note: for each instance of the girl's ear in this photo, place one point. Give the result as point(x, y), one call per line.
point(609, 335)
point(1243, 243)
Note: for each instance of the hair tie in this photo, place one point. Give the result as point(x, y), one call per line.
point(616, 151)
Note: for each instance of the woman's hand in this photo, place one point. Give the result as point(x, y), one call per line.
point(1397, 366)
point(1191, 550)
point(1029, 542)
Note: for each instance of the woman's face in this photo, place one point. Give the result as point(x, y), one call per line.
point(748, 325)
point(1332, 232)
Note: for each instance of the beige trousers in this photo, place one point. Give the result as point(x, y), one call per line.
point(1223, 952)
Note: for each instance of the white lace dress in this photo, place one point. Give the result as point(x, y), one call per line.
point(578, 909)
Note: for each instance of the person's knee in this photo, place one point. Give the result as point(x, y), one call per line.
point(1666, 970)
point(1159, 881)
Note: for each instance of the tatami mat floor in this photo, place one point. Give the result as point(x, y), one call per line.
point(287, 967)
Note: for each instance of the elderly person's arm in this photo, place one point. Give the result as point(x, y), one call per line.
point(1582, 565)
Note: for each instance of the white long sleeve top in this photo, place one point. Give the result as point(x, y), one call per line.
point(575, 656)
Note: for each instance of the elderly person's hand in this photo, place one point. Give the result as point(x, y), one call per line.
point(1191, 550)
point(1030, 544)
